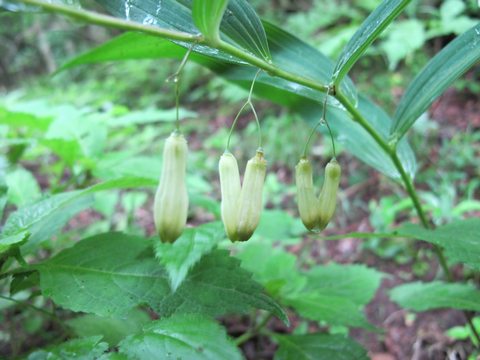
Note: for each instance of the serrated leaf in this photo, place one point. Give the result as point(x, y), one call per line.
point(112, 330)
point(192, 337)
point(9, 242)
point(357, 283)
point(23, 281)
point(318, 346)
point(420, 296)
point(111, 273)
point(207, 16)
point(22, 187)
point(460, 239)
point(332, 309)
point(370, 29)
point(20, 118)
point(106, 275)
point(440, 72)
point(220, 286)
point(77, 349)
point(397, 46)
point(186, 251)
point(272, 267)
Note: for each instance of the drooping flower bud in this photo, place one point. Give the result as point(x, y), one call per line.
point(328, 196)
point(230, 188)
point(171, 199)
point(307, 201)
point(241, 205)
point(251, 201)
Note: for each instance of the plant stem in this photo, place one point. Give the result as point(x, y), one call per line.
point(110, 21)
point(469, 316)
point(390, 150)
point(251, 333)
point(407, 181)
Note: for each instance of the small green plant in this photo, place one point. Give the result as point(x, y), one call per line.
point(127, 295)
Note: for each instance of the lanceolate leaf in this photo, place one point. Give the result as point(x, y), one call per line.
point(448, 65)
point(240, 25)
point(420, 296)
point(291, 54)
point(318, 346)
point(207, 15)
point(112, 273)
point(370, 29)
point(356, 139)
point(191, 337)
point(45, 218)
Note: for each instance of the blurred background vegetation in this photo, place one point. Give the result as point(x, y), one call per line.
point(71, 129)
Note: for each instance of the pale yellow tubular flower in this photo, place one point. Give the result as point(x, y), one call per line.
point(230, 189)
point(171, 198)
point(328, 196)
point(251, 202)
point(307, 201)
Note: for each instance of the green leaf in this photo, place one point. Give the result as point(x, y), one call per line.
point(272, 267)
point(77, 349)
point(68, 150)
point(278, 224)
point(318, 346)
point(207, 15)
point(460, 239)
point(217, 285)
point(370, 29)
point(295, 56)
point(46, 217)
point(358, 142)
point(149, 116)
point(448, 65)
point(397, 46)
point(334, 310)
point(240, 25)
point(113, 330)
point(128, 46)
point(186, 251)
point(357, 283)
point(420, 296)
point(113, 265)
point(9, 242)
point(19, 118)
point(122, 268)
point(191, 337)
point(22, 187)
